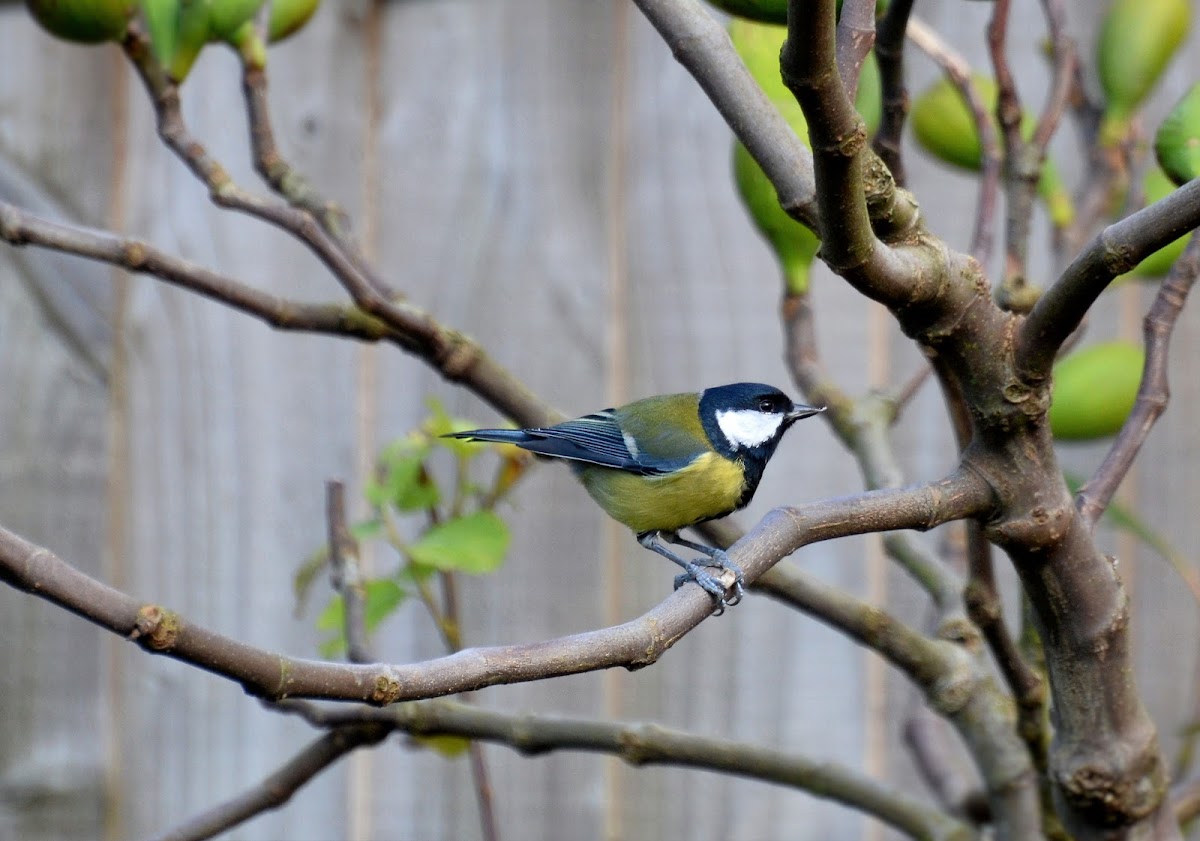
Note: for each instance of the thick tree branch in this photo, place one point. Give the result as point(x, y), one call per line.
point(633, 645)
point(1115, 250)
point(650, 744)
point(1153, 393)
point(277, 789)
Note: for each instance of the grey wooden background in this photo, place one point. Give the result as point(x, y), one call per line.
point(543, 175)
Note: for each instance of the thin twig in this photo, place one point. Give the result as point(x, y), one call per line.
point(986, 611)
point(928, 740)
point(860, 428)
point(1185, 799)
point(958, 71)
point(346, 574)
point(889, 50)
point(1154, 391)
point(277, 789)
point(909, 389)
point(449, 352)
point(652, 744)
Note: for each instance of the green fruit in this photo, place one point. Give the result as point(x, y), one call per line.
point(763, 11)
point(1177, 141)
point(794, 244)
point(161, 17)
point(191, 34)
point(1137, 40)
point(226, 17)
point(772, 11)
point(945, 128)
point(759, 44)
point(85, 21)
point(1095, 390)
point(288, 17)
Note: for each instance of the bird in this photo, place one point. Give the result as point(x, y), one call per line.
point(661, 464)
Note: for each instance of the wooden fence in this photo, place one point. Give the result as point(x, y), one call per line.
point(544, 176)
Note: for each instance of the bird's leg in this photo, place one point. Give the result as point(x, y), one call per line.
point(718, 555)
point(695, 572)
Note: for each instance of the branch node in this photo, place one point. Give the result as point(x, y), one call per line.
point(156, 628)
point(387, 688)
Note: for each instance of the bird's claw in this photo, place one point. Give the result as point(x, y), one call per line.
point(713, 585)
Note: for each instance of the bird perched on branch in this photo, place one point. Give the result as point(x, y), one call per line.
point(665, 463)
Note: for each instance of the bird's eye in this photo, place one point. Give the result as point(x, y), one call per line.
point(766, 406)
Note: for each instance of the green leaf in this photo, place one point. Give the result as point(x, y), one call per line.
point(475, 544)
point(333, 620)
point(441, 423)
point(450, 747)
point(403, 482)
point(333, 617)
point(367, 529)
point(383, 597)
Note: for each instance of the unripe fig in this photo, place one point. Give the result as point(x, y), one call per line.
point(289, 16)
point(161, 18)
point(763, 11)
point(1138, 38)
point(771, 11)
point(1095, 390)
point(945, 128)
point(794, 244)
point(85, 21)
point(226, 17)
point(191, 34)
point(1177, 141)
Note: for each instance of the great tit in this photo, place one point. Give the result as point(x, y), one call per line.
point(664, 463)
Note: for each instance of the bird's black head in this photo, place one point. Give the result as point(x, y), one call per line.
point(746, 420)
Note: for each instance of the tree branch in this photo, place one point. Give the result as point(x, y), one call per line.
point(651, 744)
point(455, 356)
point(699, 42)
point(958, 71)
point(1154, 391)
point(1115, 250)
point(633, 645)
point(277, 789)
point(855, 37)
point(889, 50)
point(347, 578)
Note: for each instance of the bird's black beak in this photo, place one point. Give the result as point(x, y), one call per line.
point(800, 411)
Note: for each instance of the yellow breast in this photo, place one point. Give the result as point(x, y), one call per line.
point(709, 487)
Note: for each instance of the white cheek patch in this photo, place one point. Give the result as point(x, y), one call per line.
point(746, 428)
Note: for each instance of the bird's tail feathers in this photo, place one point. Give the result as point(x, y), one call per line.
point(501, 436)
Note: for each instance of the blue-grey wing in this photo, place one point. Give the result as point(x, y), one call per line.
point(594, 439)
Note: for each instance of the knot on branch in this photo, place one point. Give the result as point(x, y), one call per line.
point(156, 628)
point(457, 356)
point(1040, 527)
point(1116, 788)
point(845, 145)
point(386, 690)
